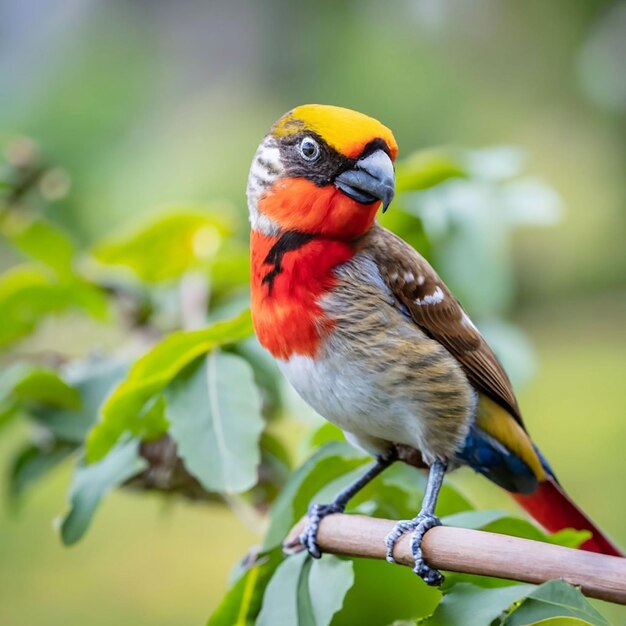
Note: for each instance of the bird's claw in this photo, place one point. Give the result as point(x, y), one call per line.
point(316, 513)
point(419, 526)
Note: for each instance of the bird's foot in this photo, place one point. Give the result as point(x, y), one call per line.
point(419, 525)
point(316, 513)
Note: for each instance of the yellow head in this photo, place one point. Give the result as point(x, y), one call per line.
point(344, 130)
point(322, 169)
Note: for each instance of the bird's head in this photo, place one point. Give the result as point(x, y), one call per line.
point(322, 170)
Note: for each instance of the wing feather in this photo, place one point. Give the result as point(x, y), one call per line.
point(437, 312)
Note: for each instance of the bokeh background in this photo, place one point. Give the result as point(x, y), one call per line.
point(147, 104)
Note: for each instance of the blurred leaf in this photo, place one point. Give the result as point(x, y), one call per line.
point(37, 387)
point(427, 168)
point(561, 621)
point(326, 433)
point(467, 605)
point(230, 267)
point(504, 524)
point(11, 376)
point(41, 241)
point(46, 387)
point(274, 471)
point(496, 163)
point(122, 412)
point(86, 296)
point(530, 202)
point(91, 483)
point(214, 411)
point(93, 380)
point(555, 598)
point(334, 459)
point(8, 409)
point(33, 462)
point(266, 373)
point(241, 605)
point(167, 246)
point(276, 449)
point(28, 295)
point(306, 592)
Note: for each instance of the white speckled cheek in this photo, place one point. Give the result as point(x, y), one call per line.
point(266, 168)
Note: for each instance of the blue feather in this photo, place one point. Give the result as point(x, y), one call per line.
point(489, 457)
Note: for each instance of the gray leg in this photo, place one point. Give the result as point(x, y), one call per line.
point(317, 512)
point(419, 525)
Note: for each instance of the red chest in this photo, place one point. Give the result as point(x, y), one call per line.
point(287, 284)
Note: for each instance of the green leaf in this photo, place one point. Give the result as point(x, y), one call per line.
point(91, 483)
point(467, 605)
point(561, 621)
point(93, 380)
point(22, 384)
point(304, 592)
point(242, 603)
point(555, 598)
point(280, 601)
point(167, 246)
point(266, 374)
point(46, 387)
point(214, 411)
point(331, 461)
point(9, 408)
point(427, 168)
point(382, 593)
point(326, 433)
point(122, 412)
point(33, 462)
point(43, 242)
point(230, 268)
point(28, 294)
point(330, 579)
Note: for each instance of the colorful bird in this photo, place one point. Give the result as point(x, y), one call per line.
point(370, 336)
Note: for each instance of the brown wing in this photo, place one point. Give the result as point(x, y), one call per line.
point(437, 312)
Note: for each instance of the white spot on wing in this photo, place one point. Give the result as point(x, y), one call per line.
point(421, 280)
point(435, 297)
point(467, 322)
point(409, 277)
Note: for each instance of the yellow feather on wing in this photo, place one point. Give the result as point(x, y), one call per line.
point(497, 422)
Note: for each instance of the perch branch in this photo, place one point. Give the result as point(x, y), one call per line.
point(475, 552)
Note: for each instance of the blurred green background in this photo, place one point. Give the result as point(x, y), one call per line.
point(147, 104)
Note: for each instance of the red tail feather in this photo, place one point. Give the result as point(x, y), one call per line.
point(554, 510)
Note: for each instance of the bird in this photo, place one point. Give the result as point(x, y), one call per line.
point(371, 337)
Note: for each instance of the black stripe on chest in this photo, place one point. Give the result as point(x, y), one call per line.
point(288, 242)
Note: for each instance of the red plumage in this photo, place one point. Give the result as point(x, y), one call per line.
point(555, 510)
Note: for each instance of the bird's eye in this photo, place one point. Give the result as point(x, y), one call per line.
point(309, 149)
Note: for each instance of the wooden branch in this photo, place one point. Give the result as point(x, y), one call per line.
point(475, 552)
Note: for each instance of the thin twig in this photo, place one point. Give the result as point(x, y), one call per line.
point(476, 552)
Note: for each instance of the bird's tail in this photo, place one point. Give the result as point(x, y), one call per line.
point(555, 510)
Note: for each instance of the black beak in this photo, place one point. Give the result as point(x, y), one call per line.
point(371, 179)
